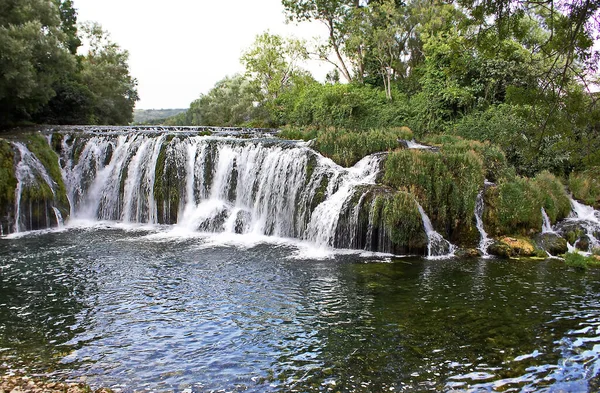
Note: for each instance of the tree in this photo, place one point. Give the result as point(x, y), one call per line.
point(105, 73)
point(272, 63)
point(340, 17)
point(34, 56)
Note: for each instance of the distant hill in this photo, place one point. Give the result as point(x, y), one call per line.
point(153, 116)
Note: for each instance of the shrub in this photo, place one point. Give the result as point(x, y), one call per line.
point(585, 186)
point(446, 184)
point(346, 148)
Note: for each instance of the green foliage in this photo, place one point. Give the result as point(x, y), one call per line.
point(229, 103)
point(515, 207)
point(33, 58)
point(297, 133)
point(38, 145)
point(445, 184)
point(8, 181)
point(347, 148)
point(554, 197)
point(585, 186)
point(492, 156)
point(402, 220)
point(580, 261)
point(341, 105)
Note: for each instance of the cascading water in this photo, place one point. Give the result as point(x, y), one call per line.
point(546, 223)
point(588, 219)
point(33, 179)
point(214, 184)
point(485, 241)
point(437, 246)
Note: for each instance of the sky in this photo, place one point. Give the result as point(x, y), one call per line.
point(179, 48)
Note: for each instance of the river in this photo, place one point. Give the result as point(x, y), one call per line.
point(151, 308)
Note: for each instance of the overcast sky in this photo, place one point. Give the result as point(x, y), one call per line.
point(180, 48)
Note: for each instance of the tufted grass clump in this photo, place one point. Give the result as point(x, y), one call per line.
point(554, 197)
point(346, 148)
point(514, 206)
point(493, 158)
point(580, 261)
point(298, 133)
point(585, 186)
point(445, 184)
point(402, 220)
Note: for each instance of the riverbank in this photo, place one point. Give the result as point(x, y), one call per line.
point(23, 383)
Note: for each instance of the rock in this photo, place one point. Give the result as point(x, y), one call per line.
point(512, 247)
point(468, 253)
point(551, 242)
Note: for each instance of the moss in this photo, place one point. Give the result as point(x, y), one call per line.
point(8, 181)
point(514, 247)
point(445, 184)
point(38, 145)
point(320, 192)
point(585, 186)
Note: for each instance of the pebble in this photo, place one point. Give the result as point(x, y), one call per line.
point(25, 384)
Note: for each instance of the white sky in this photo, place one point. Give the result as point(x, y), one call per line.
point(180, 48)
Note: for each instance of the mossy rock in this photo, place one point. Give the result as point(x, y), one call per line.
point(512, 247)
point(467, 253)
point(551, 242)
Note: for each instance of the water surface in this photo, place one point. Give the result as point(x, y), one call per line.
point(148, 309)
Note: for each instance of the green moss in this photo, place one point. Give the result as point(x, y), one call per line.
point(585, 186)
point(8, 181)
point(38, 145)
point(445, 184)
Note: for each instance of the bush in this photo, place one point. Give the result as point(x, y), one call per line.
point(585, 186)
point(445, 184)
point(554, 197)
point(580, 261)
point(491, 155)
point(346, 148)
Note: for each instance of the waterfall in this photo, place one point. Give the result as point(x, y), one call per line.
point(589, 219)
point(215, 184)
point(59, 218)
point(437, 246)
point(485, 241)
point(31, 174)
point(546, 224)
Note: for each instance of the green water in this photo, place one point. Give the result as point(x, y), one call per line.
point(146, 310)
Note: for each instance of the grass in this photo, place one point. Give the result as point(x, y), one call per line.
point(580, 261)
point(585, 186)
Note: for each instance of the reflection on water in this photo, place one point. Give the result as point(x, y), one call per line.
point(138, 311)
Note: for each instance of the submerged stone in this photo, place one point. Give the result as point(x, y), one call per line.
point(551, 242)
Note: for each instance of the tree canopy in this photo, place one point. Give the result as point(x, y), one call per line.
point(43, 79)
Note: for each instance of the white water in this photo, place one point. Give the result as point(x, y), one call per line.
point(437, 246)
point(546, 223)
point(485, 241)
point(221, 185)
point(59, 217)
point(588, 218)
point(412, 144)
point(28, 170)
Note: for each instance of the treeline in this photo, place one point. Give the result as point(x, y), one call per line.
point(45, 79)
point(520, 74)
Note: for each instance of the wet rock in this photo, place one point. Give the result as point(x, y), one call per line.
point(467, 253)
point(24, 384)
point(512, 247)
point(552, 243)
